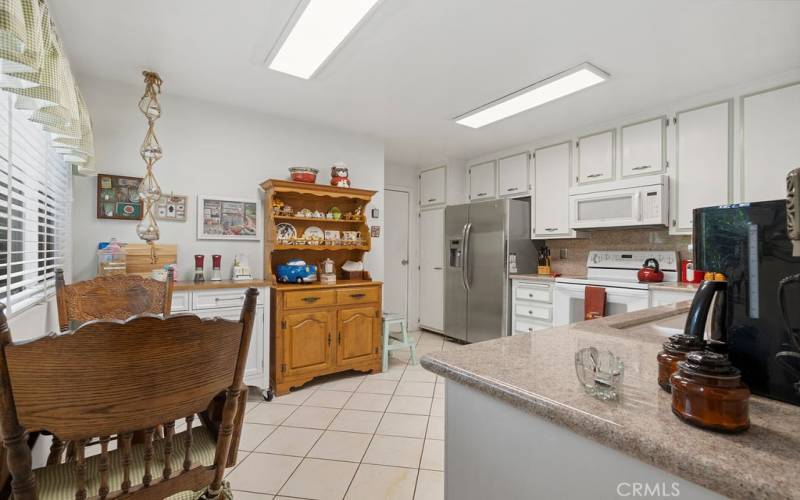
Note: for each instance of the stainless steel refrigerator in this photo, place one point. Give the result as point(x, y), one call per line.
point(479, 238)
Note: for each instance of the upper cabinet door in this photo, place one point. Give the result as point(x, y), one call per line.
point(432, 185)
point(771, 131)
point(703, 161)
point(482, 181)
point(551, 197)
point(643, 148)
point(512, 175)
point(596, 157)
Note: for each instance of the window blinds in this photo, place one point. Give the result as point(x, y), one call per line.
point(35, 198)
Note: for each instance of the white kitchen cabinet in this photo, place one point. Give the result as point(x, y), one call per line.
point(512, 175)
point(595, 157)
point(771, 142)
point(227, 303)
point(550, 205)
point(254, 369)
point(482, 181)
point(433, 186)
point(532, 306)
point(643, 147)
point(431, 280)
point(703, 162)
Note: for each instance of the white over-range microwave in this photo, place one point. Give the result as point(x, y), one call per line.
point(641, 201)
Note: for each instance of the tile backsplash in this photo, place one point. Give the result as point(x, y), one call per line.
point(577, 250)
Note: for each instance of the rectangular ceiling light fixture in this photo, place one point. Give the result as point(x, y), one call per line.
point(316, 29)
point(549, 89)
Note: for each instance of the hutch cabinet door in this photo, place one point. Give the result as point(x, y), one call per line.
point(357, 335)
point(307, 341)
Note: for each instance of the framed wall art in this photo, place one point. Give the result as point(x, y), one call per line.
point(118, 197)
point(172, 207)
point(225, 218)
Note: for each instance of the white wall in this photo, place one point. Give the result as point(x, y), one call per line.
point(208, 149)
point(406, 178)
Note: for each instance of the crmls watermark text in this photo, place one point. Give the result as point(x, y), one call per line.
point(648, 490)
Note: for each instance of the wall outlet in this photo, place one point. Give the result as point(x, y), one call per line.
point(562, 253)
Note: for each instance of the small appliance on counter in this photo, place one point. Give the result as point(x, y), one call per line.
point(199, 264)
point(296, 271)
point(755, 315)
point(650, 272)
point(216, 268)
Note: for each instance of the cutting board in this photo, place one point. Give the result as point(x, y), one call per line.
point(138, 261)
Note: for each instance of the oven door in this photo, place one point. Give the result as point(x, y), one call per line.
point(568, 301)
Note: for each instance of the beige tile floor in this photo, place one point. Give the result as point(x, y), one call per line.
point(350, 436)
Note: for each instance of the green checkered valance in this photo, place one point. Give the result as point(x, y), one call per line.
point(34, 68)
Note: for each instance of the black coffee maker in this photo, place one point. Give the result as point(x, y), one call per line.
point(755, 314)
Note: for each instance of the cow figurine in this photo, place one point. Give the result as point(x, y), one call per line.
point(340, 175)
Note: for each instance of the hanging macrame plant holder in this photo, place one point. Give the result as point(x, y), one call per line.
point(149, 190)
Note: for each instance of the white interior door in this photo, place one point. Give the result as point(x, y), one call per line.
point(395, 288)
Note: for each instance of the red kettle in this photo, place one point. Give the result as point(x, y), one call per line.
point(650, 272)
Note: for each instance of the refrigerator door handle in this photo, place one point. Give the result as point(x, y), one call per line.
point(464, 254)
point(465, 261)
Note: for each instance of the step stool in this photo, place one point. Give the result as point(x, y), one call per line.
point(393, 343)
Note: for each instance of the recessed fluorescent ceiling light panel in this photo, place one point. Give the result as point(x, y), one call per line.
point(549, 89)
point(320, 28)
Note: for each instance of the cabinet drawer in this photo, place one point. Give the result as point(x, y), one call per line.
point(523, 326)
point(358, 295)
point(180, 302)
point(309, 298)
point(212, 299)
point(534, 312)
point(539, 293)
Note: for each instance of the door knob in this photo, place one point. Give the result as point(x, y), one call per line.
point(404, 262)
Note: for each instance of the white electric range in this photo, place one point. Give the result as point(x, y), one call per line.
point(616, 272)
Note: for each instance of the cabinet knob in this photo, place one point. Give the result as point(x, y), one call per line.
point(511, 189)
point(358, 295)
point(593, 176)
point(431, 200)
point(310, 300)
point(642, 167)
point(481, 194)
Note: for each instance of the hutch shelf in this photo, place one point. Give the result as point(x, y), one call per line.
point(319, 329)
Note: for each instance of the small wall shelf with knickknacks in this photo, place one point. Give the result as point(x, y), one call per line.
point(314, 222)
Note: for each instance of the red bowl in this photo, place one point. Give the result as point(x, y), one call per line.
point(308, 175)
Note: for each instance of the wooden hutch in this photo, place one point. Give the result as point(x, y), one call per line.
point(317, 329)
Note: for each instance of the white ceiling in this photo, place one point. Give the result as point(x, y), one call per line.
point(416, 64)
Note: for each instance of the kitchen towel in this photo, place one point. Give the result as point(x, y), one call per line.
point(594, 302)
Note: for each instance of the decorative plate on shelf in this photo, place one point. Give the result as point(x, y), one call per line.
point(286, 231)
point(313, 233)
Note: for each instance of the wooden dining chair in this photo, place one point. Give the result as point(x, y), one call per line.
point(111, 297)
point(108, 379)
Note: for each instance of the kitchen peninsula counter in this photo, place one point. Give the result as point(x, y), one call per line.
point(535, 375)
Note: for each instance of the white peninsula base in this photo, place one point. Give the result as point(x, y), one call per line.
point(494, 450)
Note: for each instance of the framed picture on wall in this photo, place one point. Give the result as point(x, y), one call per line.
point(172, 207)
point(225, 218)
point(118, 197)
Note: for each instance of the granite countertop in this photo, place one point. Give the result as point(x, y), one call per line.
point(535, 372)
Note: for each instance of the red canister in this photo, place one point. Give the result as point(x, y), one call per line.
point(689, 274)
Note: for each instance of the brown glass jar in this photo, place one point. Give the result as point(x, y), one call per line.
point(675, 350)
point(707, 391)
